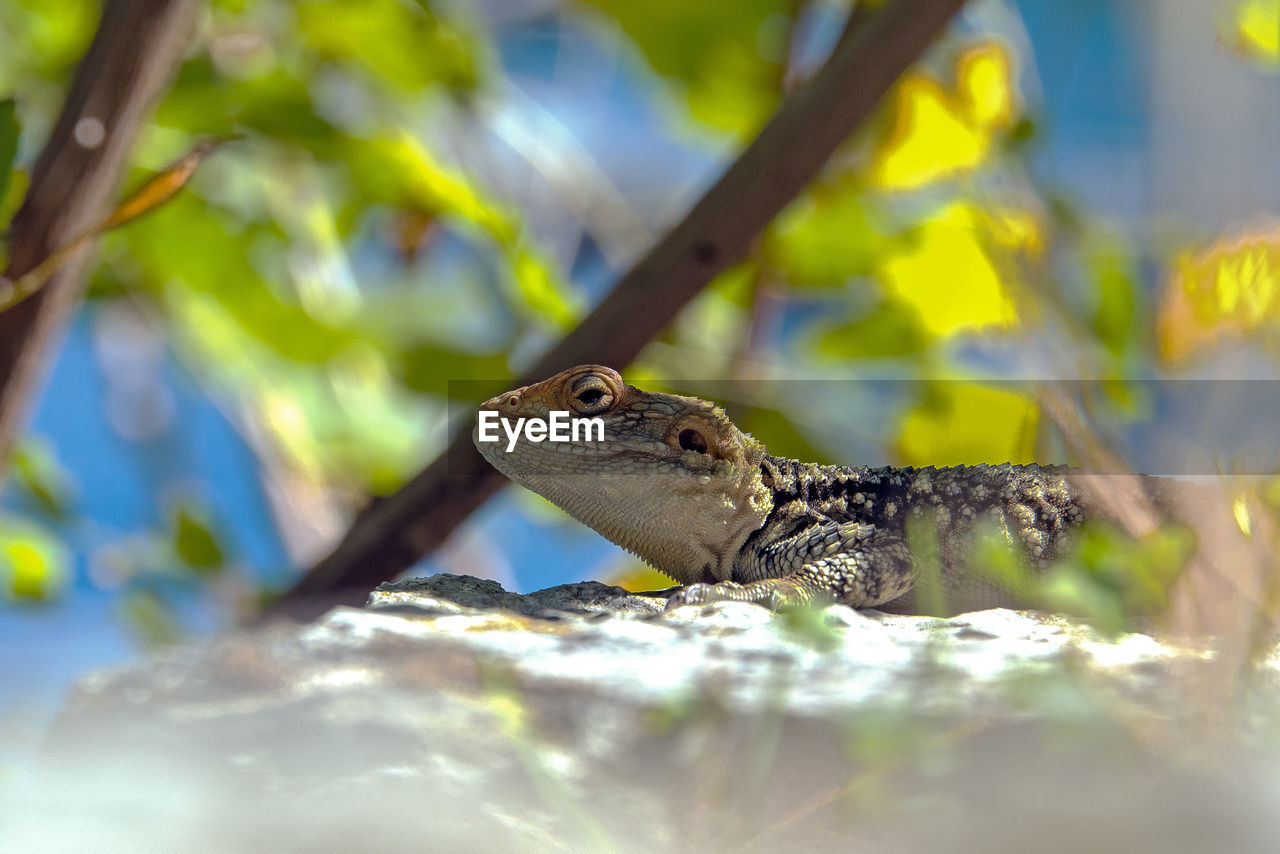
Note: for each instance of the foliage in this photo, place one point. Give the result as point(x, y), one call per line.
point(8, 143)
point(725, 57)
point(1105, 575)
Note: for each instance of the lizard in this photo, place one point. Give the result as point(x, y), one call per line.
point(676, 483)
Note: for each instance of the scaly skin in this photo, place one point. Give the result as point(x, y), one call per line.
point(676, 483)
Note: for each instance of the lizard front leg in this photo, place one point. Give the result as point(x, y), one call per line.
point(851, 563)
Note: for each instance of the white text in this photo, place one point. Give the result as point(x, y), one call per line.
point(560, 427)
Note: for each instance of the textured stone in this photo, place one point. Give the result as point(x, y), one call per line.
point(453, 715)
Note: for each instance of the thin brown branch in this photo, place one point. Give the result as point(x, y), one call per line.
point(717, 233)
point(131, 58)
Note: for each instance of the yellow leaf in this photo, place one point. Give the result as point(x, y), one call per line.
point(1240, 510)
point(930, 139)
point(984, 78)
point(1227, 291)
point(965, 424)
point(162, 187)
point(639, 578)
point(936, 132)
point(1253, 30)
point(948, 276)
point(33, 565)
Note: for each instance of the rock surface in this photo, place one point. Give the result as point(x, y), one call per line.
point(450, 714)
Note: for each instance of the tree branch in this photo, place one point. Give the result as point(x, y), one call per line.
point(131, 58)
point(392, 534)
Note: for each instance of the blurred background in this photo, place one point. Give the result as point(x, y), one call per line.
point(429, 192)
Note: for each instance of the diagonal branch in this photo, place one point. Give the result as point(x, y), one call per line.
point(131, 59)
point(392, 534)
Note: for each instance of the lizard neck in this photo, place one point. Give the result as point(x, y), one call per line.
point(687, 524)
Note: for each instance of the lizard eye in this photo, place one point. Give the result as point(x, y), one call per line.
point(692, 440)
point(591, 396)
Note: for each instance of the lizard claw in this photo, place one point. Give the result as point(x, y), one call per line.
point(702, 594)
point(774, 594)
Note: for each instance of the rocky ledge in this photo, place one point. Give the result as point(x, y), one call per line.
point(450, 714)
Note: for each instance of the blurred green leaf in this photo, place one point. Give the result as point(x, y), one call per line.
point(12, 199)
point(405, 44)
point(891, 330)
point(1105, 576)
point(726, 55)
point(809, 626)
point(1117, 293)
point(35, 469)
point(429, 368)
point(191, 257)
point(8, 142)
point(1109, 576)
point(255, 267)
point(721, 313)
point(43, 40)
point(827, 237)
point(1001, 564)
point(402, 168)
point(149, 617)
point(195, 543)
point(34, 566)
point(275, 105)
point(922, 539)
point(785, 440)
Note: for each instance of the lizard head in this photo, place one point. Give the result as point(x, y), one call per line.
point(669, 478)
